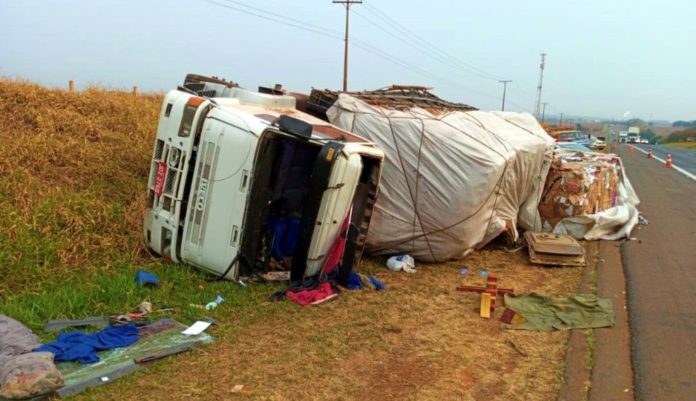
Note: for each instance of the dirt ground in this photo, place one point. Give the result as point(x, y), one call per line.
point(418, 340)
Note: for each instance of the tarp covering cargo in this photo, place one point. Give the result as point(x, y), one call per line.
point(452, 181)
point(588, 196)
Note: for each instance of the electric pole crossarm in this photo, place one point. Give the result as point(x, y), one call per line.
point(347, 3)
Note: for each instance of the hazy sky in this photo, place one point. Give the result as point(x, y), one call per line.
point(605, 57)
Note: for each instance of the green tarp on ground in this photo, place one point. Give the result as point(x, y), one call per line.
point(580, 311)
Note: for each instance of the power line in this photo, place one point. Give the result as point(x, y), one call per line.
point(416, 38)
point(295, 23)
point(277, 18)
point(428, 51)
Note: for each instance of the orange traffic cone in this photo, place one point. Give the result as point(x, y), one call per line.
point(630, 149)
point(650, 154)
point(668, 162)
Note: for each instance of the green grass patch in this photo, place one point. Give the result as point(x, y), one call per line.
point(681, 145)
point(112, 292)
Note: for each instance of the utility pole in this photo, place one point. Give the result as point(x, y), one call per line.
point(347, 3)
point(543, 111)
point(537, 107)
point(504, 82)
point(560, 122)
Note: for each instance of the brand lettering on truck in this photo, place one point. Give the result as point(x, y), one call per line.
point(202, 194)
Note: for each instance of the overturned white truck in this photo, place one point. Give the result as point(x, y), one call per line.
point(241, 181)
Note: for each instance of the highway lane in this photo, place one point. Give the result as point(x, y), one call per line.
point(684, 158)
point(661, 281)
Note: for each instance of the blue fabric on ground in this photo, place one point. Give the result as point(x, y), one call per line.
point(144, 278)
point(378, 284)
point(354, 282)
point(81, 347)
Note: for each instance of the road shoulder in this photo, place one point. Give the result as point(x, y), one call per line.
point(612, 373)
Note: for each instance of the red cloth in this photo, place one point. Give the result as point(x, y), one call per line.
point(337, 248)
point(306, 297)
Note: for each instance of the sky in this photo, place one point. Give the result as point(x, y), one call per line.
point(605, 59)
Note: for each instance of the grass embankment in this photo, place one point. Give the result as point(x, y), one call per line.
point(682, 145)
point(72, 193)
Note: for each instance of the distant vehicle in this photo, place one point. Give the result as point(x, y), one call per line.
point(600, 144)
point(570, 136)
point(633, 138)
point(623, 136)
point(573, 146)
point(643, 140)
point(633, 135)
point(242, 182)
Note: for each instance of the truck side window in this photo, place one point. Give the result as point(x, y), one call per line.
point(168, 110)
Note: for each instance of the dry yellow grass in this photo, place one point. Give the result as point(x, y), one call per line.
point(419, 340)
point(71, 177)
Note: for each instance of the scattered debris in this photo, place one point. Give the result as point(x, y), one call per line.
point(157, 340)
point(516, 348)
point(404, 263)
point(145, 279)
point(359, 281)
point(57, 325)
point(282, 275)
point(489, 293)
point(308, 296)
point(214, 304)
point(642, 220)
point(487, 304)
point(196, 328)
point(29, 375)
point(554, 249)
point(241, 389)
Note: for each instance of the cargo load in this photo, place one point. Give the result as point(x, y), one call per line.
point(588, 196)
point(454, 178)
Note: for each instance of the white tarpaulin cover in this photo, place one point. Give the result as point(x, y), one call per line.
point(451, 182)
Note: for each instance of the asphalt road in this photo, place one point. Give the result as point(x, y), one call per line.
point(661, 281)
point(684, 158)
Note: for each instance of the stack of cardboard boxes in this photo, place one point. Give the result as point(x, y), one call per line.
point(579, 184)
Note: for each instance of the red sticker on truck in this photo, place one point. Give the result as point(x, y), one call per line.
point(159, 179)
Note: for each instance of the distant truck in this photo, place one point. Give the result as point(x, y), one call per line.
point(623, 136)
point(242, 182)
point(633, 135)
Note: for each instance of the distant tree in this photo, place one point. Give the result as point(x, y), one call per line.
point(681, 136)
point(657, 139)
point(684, 124)
point(635, 121)
point(648, 134)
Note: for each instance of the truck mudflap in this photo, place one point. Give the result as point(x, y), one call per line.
point(319, 182)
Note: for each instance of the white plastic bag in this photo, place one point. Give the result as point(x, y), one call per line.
point(402, 262)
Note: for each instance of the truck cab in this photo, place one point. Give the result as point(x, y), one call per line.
point(241, 182)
